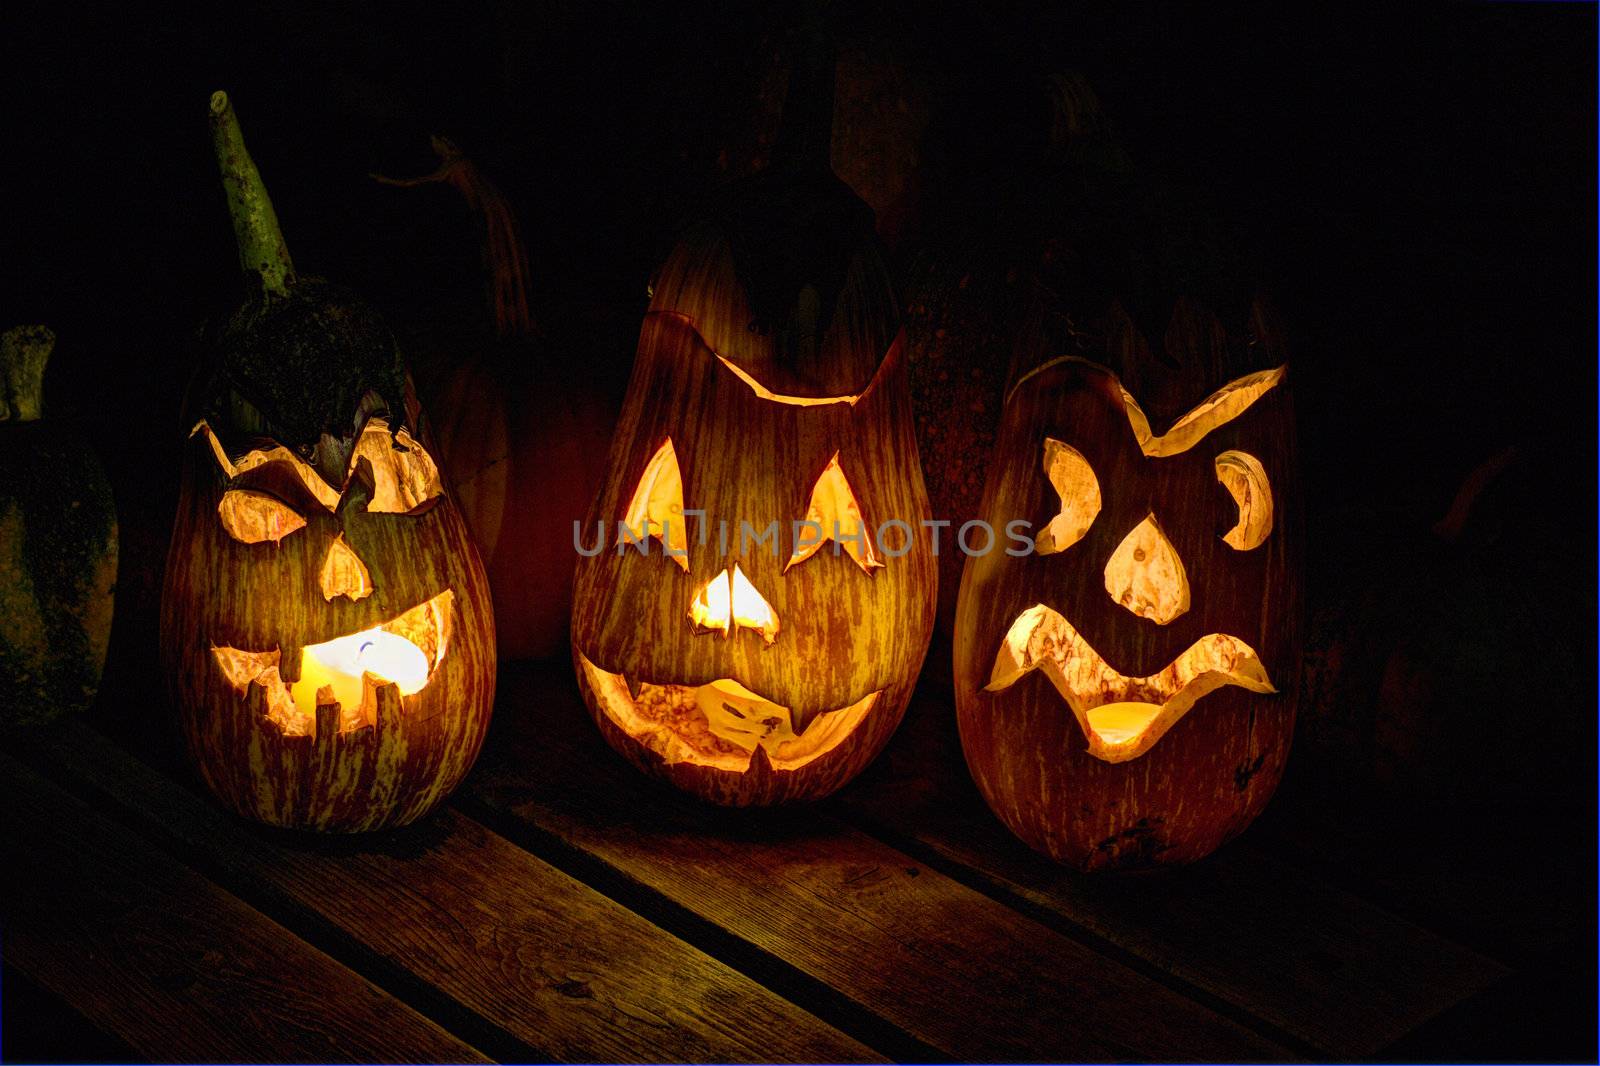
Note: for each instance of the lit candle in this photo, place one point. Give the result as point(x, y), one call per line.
point(342, 662)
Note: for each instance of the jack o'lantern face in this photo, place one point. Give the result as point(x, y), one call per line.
point(750, 616)
point(329, 640)
point(1141, 574)
point(348, 666)
point(721, 723)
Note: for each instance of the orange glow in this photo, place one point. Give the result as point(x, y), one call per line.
point(656, 509)
point(728, 602)
point(1073, 479)
point(834, 510)
point(256, 517)
point(343, 573)
point(1246, 481)
point(719, 724)
point(793, 401)
point(1122, 717)
point(1146, 576)
point(404, 652)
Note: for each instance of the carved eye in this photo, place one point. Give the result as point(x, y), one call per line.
point(1246, 481)
point(834, 515)
point(404, 477)
point(656, 509)
point(254, 517)
point(1074, 481)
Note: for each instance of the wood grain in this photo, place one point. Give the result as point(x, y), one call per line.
point(949, 966)
point(550, 961)
point(1309, 958)
point(179, 969)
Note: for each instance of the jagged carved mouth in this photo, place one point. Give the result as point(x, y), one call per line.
point(1121, 716)
point(720, 724)
point(347, 670)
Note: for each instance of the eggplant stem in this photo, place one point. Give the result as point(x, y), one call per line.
point(262, 251)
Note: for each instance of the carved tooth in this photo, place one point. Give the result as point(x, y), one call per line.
point(289, 662)
point(327, 715)
point(635, 686)
point(387, 707)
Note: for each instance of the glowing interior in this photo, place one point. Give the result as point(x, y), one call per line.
point(404, 477)
point(795, 401)
point(729, 601)
point(1146, 576)
point(343, 573)
point(835, 515)
point(257, 517)
point(348, 670)
point(720, 724)
point(1074, 481)
point(1122, 717)
point(1246, 481)
point(656, 509)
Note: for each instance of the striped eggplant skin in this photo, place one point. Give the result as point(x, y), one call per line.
point(1214, 771)
point(221, 592)
point(846, 633)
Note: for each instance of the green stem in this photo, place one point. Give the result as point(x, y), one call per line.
point(262, 252)
point(23, 354)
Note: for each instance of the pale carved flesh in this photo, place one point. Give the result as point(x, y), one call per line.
point(1146, 575)
point(1246, 481)
point(720, 724)
point(1121, 717)
point(1073, 479)
point(403, 652)
point(404, 476)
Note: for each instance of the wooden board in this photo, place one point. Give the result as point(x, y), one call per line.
point(1329, 968)
point(954, 969)
point(170, 963)
point(571, 974)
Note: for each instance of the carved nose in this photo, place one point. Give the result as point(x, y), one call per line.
point(343, 572)
point(729, 601)
point(1146, 576)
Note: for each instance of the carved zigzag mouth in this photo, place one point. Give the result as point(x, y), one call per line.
point(403, 652)
point(1122, 717)
point(720, 724)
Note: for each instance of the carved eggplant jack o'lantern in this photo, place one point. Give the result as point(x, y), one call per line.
point(768, 391)
point(1125, 693)
point(326, 629)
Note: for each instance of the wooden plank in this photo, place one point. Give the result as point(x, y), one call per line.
point(179, 969)
point(547, 959)
point(1311, 959)
point(955, 969)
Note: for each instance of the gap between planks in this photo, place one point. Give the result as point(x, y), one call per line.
point(170, 963)
point(514, 944)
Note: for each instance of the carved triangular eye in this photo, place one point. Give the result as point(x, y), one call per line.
point(255, 517)
point(834, 515)
point(1246, 481)
point(1074, 481)
point(656, 509)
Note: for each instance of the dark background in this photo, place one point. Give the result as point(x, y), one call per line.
point(1413, 185)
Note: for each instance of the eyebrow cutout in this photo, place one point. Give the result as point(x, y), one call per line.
point(404, 478)
point(1216, 410)
point(324, 493)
